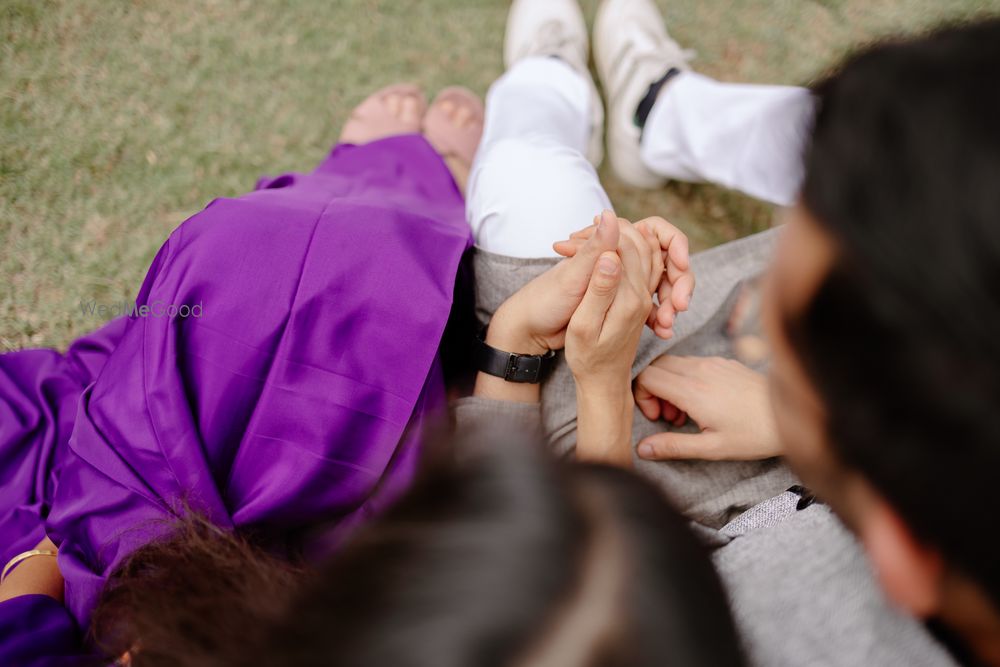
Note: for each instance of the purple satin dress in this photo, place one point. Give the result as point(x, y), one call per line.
point(292, 404)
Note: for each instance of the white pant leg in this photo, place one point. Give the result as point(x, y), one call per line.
point(745, 137)
point(530, 183)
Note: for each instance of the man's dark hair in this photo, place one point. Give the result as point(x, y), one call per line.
point(902, 339)
point(505, 559)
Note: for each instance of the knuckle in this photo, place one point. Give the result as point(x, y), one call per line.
point(603, 287)
point(581, 329)
point(632, 303)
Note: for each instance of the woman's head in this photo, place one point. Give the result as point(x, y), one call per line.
point(513, 560)
point(507, 559)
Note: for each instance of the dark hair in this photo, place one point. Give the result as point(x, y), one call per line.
point(902, 339)
point(189, 597)
point(506, 559)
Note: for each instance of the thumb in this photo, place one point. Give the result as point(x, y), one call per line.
point(580, 266)
point(588, 320)
point(670, 445)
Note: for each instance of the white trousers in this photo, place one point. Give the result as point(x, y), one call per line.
point(531, 185)
point(741, 136)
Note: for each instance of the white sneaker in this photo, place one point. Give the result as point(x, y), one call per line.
point(631, 50)
point(555, 28)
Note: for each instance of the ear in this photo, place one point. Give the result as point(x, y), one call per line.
point(909, 571)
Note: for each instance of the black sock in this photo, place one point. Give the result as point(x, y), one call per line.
point(647, 102)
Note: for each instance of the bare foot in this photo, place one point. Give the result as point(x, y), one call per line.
point(396, 109)
point(454, 125)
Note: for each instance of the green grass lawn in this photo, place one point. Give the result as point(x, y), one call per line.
point(121, 119)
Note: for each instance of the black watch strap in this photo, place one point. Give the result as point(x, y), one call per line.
point(512, 367)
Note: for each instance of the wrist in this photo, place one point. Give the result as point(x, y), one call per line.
point(604, 424)
point(611, 397)
point(603, 386)
point(506, 332)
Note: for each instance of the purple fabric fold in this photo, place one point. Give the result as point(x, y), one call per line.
point(37, 631)
point(297, 397)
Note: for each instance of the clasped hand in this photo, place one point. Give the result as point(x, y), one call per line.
point(595, 303)
point(535, 318)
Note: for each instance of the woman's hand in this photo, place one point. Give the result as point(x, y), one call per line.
point(729, 402)
point(601, 342)
point(675, 279)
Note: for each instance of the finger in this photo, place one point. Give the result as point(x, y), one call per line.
point(580, 266)
point(651, 320)
point(689, 367)
point(669, 411)
point(680, 419)
point(672, 241)
point(656, 267)
point(587, 321)
point(587, 231)
point(667, 446)
point(682, 291)
point(666, 312)
point(569, 247)
point(665, 333)
point(648, 404)
point(635, 252)
point(677, 261)
point(676, 389)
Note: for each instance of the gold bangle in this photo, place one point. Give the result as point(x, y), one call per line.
point(13, 562)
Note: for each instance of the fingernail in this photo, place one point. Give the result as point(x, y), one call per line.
point(645, 450)
point(607, 266)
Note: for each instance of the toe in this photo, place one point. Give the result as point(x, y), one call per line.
point(410, 109)
point(393, 103)
point(462, 117)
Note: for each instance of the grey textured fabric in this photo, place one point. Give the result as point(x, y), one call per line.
point(802, 594)
point(799, 586)
point(710, 492)
point(769, 513)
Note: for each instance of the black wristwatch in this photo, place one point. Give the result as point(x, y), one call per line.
point(512, 367)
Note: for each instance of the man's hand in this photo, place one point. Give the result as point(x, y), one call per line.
point(675, 280)
point(729, 402)
point(601, 343)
